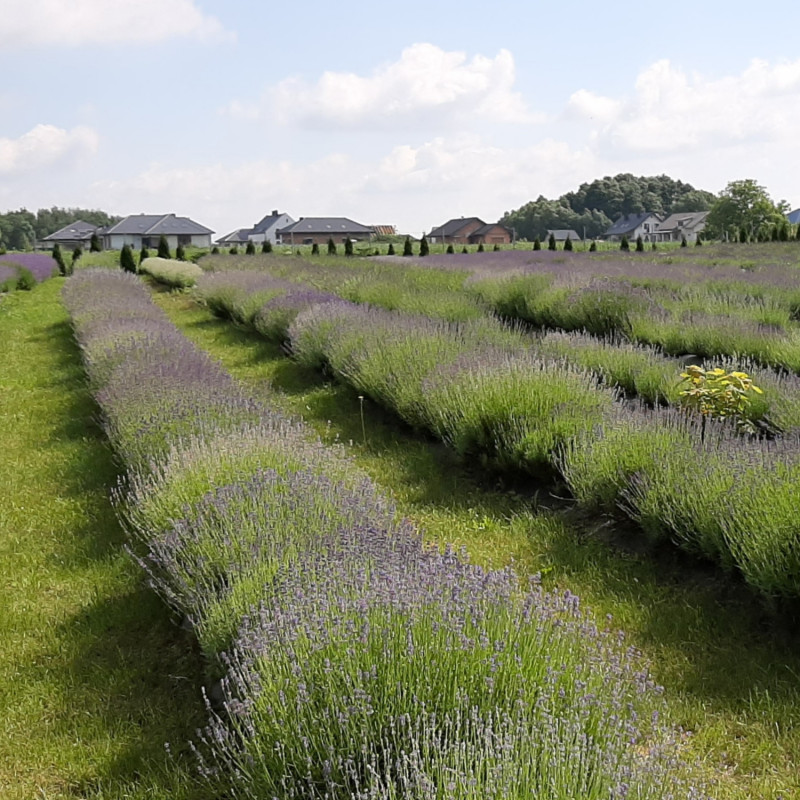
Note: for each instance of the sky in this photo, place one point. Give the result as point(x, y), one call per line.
point(407, 115)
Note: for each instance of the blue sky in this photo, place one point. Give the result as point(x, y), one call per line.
point(405, 114)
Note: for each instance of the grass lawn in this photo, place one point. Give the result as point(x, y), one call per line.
point(94, 677)
point(731, 672)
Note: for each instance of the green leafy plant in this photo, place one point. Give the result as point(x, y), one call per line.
point(718, 394)
point(163, 247)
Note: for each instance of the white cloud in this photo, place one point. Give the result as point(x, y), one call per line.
point(414, 188)
point(673, 111)
point(80, 22)
point(425, 85)
point(45, 146)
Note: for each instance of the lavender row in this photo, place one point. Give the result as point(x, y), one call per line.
point(476, 386)
point(360, 663)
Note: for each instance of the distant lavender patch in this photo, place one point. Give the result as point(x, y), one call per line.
point(41, 265)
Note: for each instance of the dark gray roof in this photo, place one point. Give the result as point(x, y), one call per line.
point(628, 223)
point(239, 236)
point(685, 219)
point(562, 234)
point(794, 217)
point(485, 228)
point(156, 224)
point(326, 225)
point(75, 230)
point(268, 222)
point(453, 226)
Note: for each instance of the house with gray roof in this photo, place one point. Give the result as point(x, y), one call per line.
point(76, 234)
point(145, 230)
point(267, 229)
point(241, 236)
point(633, 226)
point(683, 225)
point(794, 217)
point(318, 230)
point(563, 234)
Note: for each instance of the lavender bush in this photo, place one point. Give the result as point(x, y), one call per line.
point(41, 265)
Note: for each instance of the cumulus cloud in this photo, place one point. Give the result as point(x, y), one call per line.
point(412, 187)
point(45, 146)
point(671, 110)
point(80, 22)
point(425, 84)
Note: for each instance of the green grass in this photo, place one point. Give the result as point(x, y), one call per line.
point(94, 677)
point(731, 673)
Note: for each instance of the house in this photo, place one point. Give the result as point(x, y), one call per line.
point(267, 229)
point(237, 237)
point(470, 230)
point(563, 235)
point(794, 217)
point(633, 226)
point(676, 227)
point(145, 230)
point(76, 234)
point(318, 230)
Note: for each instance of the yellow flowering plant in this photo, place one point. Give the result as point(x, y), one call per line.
point(718, 394)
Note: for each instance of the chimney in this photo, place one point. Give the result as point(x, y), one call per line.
point(275, 213)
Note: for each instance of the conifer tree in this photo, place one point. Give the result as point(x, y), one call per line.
point(163, 247)
point(496, 248)
point(315, 249)
point(126, 260)
point(94, 244)
point(234, 251)
point(250, 250)
point(742, 236)
point(568, 243)
point(267, 246)
point(551, 242)
point(331, 247)
point(639, 244)
point(624, 244)
point(348, 246)
point(464, 249)
point(390, 251)
point(408, 250)
point(783, 235)
point(180, 253)
point(683, 242)
point(450, 249)
point(698, 242)
point(537, 244)
point(480, 247)
point(424, 249)
point(59, 259)
point(593, 247)
point(143, 254)
point(215, 251)
point(76, 254)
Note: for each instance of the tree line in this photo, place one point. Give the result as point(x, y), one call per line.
point(594, 207)
point(23, 229)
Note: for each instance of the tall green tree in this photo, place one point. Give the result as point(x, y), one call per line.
point(407, 249)
point(94, 244)
point(126, 259)
point(743, 205)
point(424, 249)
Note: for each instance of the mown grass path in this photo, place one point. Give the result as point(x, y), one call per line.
point(94, 677)
point(732, 675)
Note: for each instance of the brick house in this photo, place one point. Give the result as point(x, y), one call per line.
point(318, 230)
point(470, 230)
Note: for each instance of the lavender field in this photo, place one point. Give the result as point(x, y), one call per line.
point(591, 408)
point(41, 265)
point(355, 661)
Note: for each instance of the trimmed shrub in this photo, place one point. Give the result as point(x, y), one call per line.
point(163, 247)
point(126, 260)
point(450, 249)
point(250, 250)
point(267, 246)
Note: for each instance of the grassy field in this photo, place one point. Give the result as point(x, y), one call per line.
point(94, 677)
point(730, 671)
